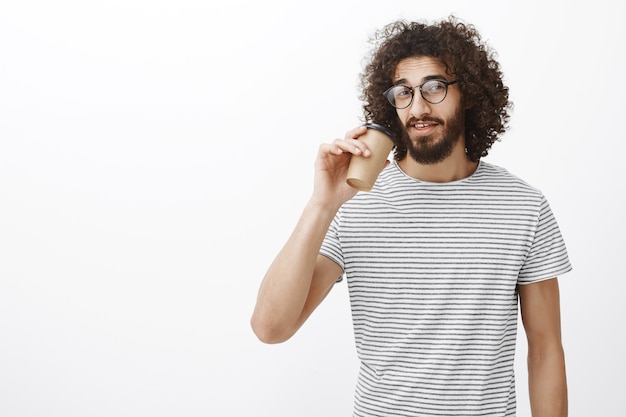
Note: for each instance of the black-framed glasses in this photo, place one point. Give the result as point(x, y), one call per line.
point(433, 91)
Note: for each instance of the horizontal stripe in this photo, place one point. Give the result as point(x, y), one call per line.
point(432, 271)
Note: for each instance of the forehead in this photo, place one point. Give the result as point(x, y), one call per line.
point(416, 69)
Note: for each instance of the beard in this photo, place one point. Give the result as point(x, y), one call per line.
point(431, 149)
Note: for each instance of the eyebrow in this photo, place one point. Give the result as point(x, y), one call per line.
point(404, 81)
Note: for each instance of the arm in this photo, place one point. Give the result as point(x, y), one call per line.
point(300, 278)
point(296, 282)
point(540, 309)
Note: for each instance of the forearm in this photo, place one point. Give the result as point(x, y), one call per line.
point(286, 285)
point(547, 383)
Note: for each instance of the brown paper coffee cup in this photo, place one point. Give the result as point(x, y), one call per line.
point(363, 171)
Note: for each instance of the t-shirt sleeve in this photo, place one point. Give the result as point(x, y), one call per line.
point(547, 257)
point(331, 246)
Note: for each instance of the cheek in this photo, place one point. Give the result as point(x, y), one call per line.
point(403, 115)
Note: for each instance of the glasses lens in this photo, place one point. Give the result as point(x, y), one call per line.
point(400, 96)
point(434, 91)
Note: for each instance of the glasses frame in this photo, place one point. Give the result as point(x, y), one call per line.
point(412, 90)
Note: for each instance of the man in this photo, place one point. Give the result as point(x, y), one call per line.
point(438, 253)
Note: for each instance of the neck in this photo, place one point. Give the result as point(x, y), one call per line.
point(455, 167)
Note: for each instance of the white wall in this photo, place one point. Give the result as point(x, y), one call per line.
point(151, 166)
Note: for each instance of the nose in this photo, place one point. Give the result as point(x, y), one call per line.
point(419, 106)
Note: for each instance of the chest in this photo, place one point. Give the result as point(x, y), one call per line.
point(437, 237)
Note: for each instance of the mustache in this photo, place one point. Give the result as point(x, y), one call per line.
point(414, 120)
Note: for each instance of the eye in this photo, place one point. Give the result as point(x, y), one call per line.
point(401, 92)
point(433, 87)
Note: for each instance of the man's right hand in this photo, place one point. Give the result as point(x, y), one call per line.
point(331, 167)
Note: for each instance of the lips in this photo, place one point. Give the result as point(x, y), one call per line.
point(419, 123)
point(423, 125)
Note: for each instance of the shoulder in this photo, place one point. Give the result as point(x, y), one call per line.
point(504, 180)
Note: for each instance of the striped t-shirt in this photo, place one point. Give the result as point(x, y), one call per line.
point(432, 271)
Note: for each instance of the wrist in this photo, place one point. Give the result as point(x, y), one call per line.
point(321, 208)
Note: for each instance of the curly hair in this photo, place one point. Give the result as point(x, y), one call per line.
point(459, 48)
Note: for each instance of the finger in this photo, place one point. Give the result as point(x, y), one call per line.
point(356, 132)
point(353, 146)
point(335, 148)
